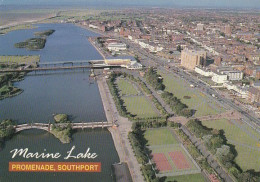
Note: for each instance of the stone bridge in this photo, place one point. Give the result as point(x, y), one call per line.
point(47, 126)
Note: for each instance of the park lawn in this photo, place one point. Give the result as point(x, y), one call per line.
point(160, 136)
point(126, 87)
point(139, 106)
point(185, 178)
point(198, 101)
point(19, 59)
point(246, 142)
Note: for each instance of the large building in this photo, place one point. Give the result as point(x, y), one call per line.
point(227, 30)
point(116, 47)
point(123, 62)
point(190, 58)
point(200, 27)
point(117, 61)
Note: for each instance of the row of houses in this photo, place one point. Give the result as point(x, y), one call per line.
point(152, 47)
point(226, 75)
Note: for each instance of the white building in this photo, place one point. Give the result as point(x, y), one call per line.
point(203, 72)
point(240, 91)
point(116, 47)
point(93, 26)
point(219, 78)
point(134, 65)
point(200, 27)
point(233, 75)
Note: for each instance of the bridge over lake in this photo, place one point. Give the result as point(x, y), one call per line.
point(62, 65)
point(47, 126)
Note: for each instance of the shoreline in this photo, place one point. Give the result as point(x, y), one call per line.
point(106, 104)
point(28, 21)
point(120, 133)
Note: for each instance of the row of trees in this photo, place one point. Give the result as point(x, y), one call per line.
point(195, 153)
point(216, 142)
point(176, 105)
point(154, 79)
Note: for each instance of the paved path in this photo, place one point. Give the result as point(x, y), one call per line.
point(210, 158)
point(158, 97)
point(120, 133)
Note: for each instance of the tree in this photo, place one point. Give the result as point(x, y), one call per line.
point(224, 154)
point(179, 48)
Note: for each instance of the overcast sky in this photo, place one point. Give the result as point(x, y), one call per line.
point(168, 3)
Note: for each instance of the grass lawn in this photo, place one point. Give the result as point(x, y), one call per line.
point(126, 87)
point(186, 178)
point(139, 106)
point(19, 59)
point(160, 136)
point(245, 139)
point(198, 101)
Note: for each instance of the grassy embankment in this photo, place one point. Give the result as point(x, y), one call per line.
point(6, 79)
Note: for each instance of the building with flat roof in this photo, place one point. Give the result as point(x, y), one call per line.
point(191, 58)
point(124, 62)
point(117, 61)
point(200, 27)
point(116, 47)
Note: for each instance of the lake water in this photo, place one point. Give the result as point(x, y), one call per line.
point(63, 92)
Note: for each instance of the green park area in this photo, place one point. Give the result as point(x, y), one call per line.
point(193, 98)
point(184, 178)
point(136, 103)
point(140, 106)
point(160, 136)
point(244, 138)
point(32, 60)
point(126, 87)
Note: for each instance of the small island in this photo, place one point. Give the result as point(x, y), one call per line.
point(35, 43)
point(44, 33)
point(32, 44)
point(61, 129)
point(7, 88)
point(6, 79)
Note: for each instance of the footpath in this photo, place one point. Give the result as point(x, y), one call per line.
point(120, 131)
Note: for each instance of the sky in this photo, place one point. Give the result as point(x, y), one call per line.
point(166, 3)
